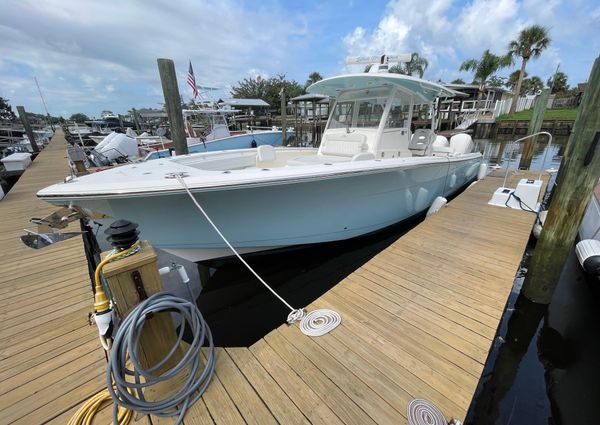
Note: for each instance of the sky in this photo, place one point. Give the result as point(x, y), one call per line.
point(90, 56)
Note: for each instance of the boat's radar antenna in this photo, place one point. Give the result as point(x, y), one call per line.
point(378, 63)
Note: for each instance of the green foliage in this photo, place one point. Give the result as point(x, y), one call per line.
point(250, 88)
point(416, 66)
point(79, 117)
point(496, 81)
point(485, 67)
point(458, 81)
point(267, 90)
point(512, 80)
point(550, 114)
point(531, 85)
point(313, 77)
point(560, 82)
point(530, 43)
point(6, 112)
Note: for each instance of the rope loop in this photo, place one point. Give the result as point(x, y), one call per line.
point(295, 315)
point(320, 322)
point(423, 412)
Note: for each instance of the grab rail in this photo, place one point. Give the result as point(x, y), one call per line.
point(525, 138)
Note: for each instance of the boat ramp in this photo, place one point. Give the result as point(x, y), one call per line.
point(418, 321)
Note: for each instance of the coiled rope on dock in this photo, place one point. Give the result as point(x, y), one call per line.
point(423, 412)
point(128, 393)
point(316, 323)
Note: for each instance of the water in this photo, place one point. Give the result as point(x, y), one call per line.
point(544, 157)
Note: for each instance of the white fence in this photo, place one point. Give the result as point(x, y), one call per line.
point(503, 106)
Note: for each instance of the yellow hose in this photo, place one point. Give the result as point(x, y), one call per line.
point(85, 414)
point(101, 303)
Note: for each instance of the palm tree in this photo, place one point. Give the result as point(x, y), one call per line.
point(313, 77)
point(417, 65)
point(486, 66)
point(530, 44)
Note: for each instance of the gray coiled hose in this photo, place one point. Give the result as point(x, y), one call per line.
point(126, 345)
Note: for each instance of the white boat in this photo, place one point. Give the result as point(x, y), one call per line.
point(208, 131)
point(370, 172)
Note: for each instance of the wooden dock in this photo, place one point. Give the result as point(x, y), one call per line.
point(418, 322)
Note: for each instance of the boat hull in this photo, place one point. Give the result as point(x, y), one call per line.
point(282, 214)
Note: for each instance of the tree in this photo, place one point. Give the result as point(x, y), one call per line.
point(6, 112)
point(79, 117)
point(558, 82)
point(267, 89)
point(275, 85)
point(313, 77)
point(511, 82)
point(530, 43)
point(531, 85)
point(417, 65)
point(458, 81)
point(496, 81)
point(250, 88)
point(483, 68)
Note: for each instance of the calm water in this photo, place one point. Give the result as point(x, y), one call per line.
point(543, 158)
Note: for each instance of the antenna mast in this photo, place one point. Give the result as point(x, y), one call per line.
point(43, 102)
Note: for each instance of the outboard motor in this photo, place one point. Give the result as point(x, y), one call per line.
point(588, 253)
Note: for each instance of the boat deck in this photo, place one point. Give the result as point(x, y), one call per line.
point(418, 322)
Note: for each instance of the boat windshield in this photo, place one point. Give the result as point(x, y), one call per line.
point(362, 108)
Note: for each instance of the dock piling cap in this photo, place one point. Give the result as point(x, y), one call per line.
point(122, 234)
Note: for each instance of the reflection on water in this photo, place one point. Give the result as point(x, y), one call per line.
point(501, 150)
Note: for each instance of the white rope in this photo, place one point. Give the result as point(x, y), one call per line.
point(295, 314)
point(320, 322)
point(423, 412)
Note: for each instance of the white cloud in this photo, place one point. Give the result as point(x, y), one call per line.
point(446, 33)
point(103, 48)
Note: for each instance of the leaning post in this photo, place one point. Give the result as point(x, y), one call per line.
point(283, 118)
point(535, 125)
point(168, 79)
point(27, 125)
point(579, 173)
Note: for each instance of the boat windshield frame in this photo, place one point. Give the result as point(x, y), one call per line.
point(358, 100)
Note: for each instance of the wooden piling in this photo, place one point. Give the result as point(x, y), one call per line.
point(168, 79)
point(120, 121)
point(136, 120)
point(579, 173)
point(283, 118)
point(131, 280)
point(535, 125)
point(25, 121)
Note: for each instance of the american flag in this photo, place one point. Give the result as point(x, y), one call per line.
point(192, 81)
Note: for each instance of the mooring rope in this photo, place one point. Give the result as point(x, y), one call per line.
point(423, 412)
point(318, 322)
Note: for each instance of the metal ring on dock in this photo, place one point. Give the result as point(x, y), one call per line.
point(320, 322)
point(423, 412)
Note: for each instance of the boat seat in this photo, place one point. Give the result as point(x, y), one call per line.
point(343, 145)
point(421, 141)
point(265, 153)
